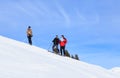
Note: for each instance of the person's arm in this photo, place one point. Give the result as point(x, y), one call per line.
point(65, 40)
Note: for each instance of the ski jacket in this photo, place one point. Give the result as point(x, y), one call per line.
point(56, 41)
point(63, 42)
point(29, 32)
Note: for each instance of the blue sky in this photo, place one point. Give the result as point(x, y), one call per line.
point(91, 26)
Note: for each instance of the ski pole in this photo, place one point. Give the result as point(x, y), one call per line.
point(49, 47)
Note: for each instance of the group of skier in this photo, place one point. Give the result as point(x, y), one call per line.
point(62, 42)
point(56, 42)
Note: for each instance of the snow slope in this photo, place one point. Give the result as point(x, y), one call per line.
point(20, 60)
point(116, 70)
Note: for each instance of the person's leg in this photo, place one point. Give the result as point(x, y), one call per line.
point(57, 48)
point(53, 47)
point(61, 50)
point(64, 50)
point(29, 40)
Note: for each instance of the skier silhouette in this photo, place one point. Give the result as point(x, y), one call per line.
point(55, 43)
point(29, 35)
point(63, 42)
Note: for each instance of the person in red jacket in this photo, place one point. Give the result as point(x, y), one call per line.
point(63, 42)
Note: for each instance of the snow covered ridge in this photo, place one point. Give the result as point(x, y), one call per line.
point(20, 60)
point(116, 70)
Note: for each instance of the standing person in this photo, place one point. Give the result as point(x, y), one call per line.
point(29, 35)
point(63, 42)
point(55, 43)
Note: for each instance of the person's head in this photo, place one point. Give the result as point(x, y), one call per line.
point(62, 36)
point(29, 26)
point(56, 36)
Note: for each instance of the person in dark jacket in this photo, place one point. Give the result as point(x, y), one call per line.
point(29, 35)
point(55, 43)
point(63, 42)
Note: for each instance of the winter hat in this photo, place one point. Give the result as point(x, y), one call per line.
point(29, 27)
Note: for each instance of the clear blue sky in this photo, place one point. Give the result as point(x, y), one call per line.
point(91, 26)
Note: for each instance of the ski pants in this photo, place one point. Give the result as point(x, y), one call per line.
point(62, 50)
point(29, 40)
point(55, 46)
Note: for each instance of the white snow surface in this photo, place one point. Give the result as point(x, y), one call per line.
point(20, 60)
point(116, 70)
